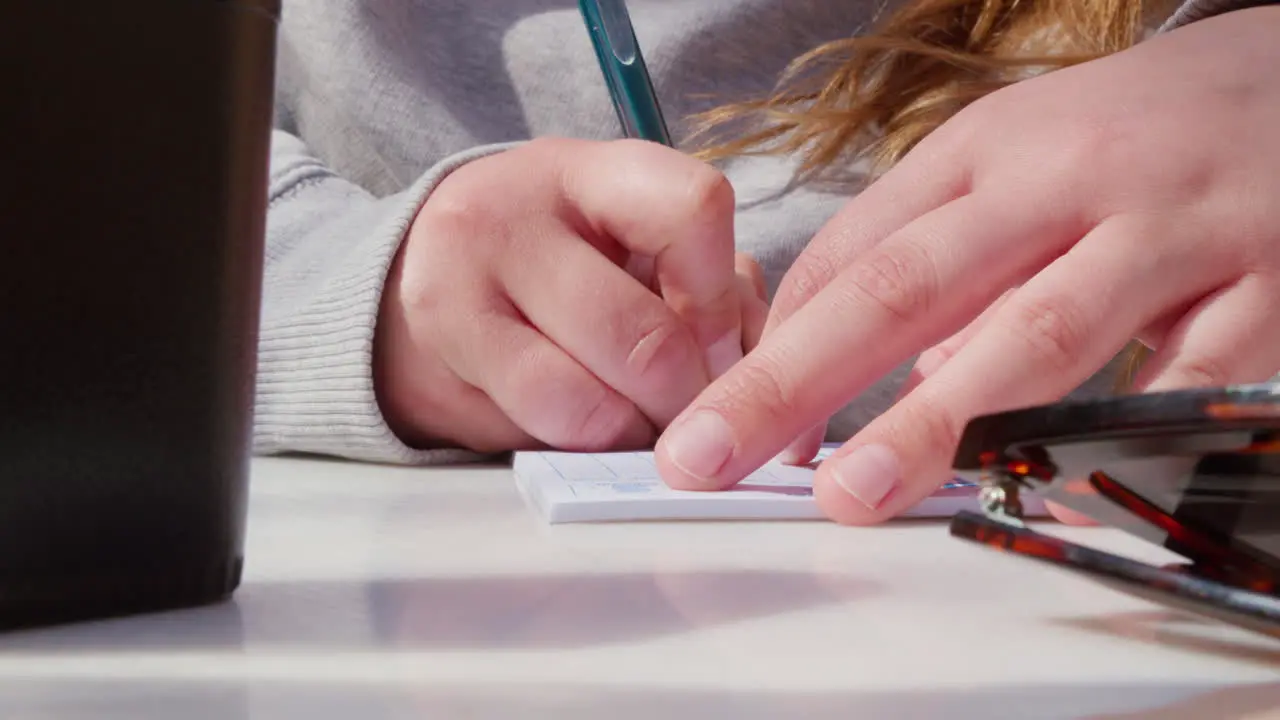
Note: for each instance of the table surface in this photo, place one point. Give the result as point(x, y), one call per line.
point(375, 592)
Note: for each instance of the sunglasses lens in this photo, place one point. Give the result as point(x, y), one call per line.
point(1207, 497)
point(1236, 497)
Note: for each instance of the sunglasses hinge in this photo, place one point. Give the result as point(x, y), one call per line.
point(1000, 498)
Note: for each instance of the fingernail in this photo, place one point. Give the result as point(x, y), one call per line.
point(701, 445)
point(869, 474)
point(788, 457)
point(802, 450)
point(724, 353)
point(793, 456)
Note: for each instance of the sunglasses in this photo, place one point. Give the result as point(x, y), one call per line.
point(1196, 472)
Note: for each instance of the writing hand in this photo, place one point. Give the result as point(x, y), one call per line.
point(564, 293)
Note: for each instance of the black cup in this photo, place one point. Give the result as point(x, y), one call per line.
point(135, 143)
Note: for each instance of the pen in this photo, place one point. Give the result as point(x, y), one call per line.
point(622, 63)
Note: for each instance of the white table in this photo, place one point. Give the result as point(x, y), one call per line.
point(377, 593)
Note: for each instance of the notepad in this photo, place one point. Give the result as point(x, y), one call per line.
point(625, 486)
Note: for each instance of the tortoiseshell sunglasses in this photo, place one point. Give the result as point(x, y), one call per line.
point(1194, 471)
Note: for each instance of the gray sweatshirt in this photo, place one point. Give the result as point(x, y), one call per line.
point(378, 100)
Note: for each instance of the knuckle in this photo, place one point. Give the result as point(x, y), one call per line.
point(807, 277)
point(1087, 152)
point(422, 297)
point(1081, 149)
point(1051, 331)
point(974, 127)
point(942, 430)
point(661, 345)
point(708, 191)
point(454, 210)
point(902, 281)
point(565, 409)
point(1117, 154)
point(765, 383)
point(1201, 370)
point(745, 263)
point(594, 421)
point(972, 122)
point(417, 293)
point(943, 352)
point(443, 268)
point(549, 398)
point(938, 428)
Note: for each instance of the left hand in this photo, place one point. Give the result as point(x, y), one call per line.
point(1134, 196)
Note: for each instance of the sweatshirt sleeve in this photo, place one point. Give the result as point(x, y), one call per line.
point(1192, 10)
point(329, 247)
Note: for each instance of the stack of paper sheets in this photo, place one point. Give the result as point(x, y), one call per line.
point(595, 487)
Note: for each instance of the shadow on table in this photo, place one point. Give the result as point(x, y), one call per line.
point(516, 612)
point(143, 699)
point(1243, 702)
point(1181, 631)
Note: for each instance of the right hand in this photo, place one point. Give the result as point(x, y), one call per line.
point(566, 294)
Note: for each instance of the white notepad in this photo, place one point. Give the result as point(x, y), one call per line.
point(598, 487)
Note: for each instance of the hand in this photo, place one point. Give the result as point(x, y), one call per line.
point(1134, 196)
point(567, 294)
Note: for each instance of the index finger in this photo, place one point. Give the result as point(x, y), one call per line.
point(656, 201)
point(933, 174)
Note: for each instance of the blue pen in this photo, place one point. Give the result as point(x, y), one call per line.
point(624, 70)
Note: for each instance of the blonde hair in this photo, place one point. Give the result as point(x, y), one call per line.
point(875, 96)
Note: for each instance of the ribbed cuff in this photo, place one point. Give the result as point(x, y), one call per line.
point(1195, 10)
point(315, 389)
